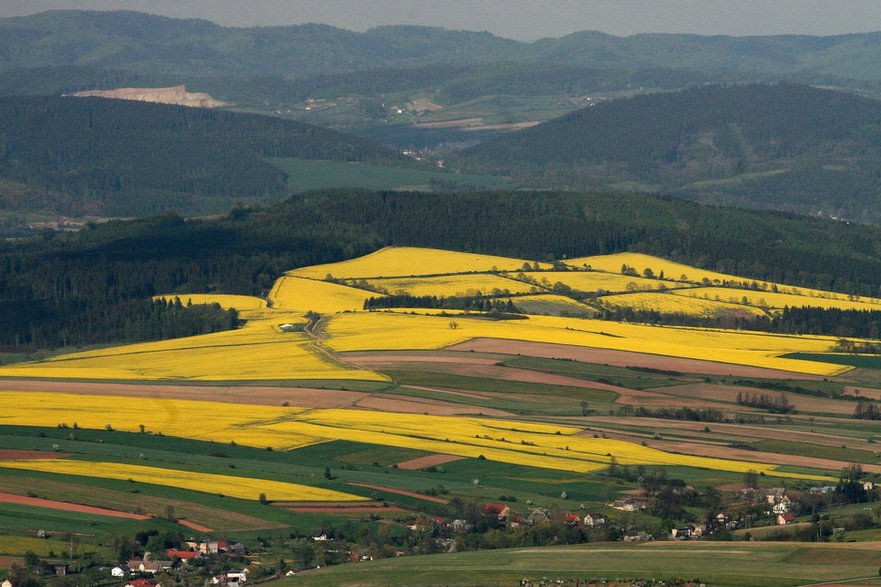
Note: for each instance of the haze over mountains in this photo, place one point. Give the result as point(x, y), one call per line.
point(434, 91)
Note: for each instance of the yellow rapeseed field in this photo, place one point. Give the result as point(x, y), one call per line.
point(686, 273)
point(272, 346)
point(539, 445)
point(241, 487)
point(469, 284)
point(591, 281)
point(670, 304)
point(398, 331)
point(409, 261)
point(770, 299)
point(551, 304)
point(260, 351)
point(641, 262)
point(297, 294)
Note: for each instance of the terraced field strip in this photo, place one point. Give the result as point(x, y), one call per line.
point(620, 358)
point(68, 507)
point(194, 526)
point(429, 461)
point(402, 492)
point(12, 454)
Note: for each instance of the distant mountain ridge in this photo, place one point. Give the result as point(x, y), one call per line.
point(122, 158)
point(782, 146)
point(148, 43)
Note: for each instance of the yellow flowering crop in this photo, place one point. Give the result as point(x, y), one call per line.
point(469, 284)
point(684, 304)
point(640, 262)
point(297, 294)
point(260, 351)
point(533, 444)
point(597, 280)
point(394, 331)
point(408, 261)
point(770, 299)
point(241, 487)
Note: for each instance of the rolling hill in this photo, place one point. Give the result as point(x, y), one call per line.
point(780, 146)
point(114, 157)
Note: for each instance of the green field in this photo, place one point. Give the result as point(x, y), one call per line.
point(862, 361)
point(309, 174)
point(740, 564)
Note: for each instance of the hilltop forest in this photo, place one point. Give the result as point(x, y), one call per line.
point(116, 157)
point(782, 146)
point(84, 284)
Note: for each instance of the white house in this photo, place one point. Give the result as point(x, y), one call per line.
point(117, 572)
point(6, 583)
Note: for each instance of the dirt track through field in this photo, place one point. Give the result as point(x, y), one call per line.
point(65, 506)
point(620, 358)
point(194, 526)
point(428, 461)
point(402, 492)
point(12, 454)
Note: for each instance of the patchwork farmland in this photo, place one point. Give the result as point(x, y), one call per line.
point(336, 401)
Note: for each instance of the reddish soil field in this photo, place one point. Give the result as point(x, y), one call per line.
point(724, 452)
point(725, 393)
point(619, 358)
point(429, 461)
point(863, 392)
point(402, 492)
point(6, 561)
point(12, 454)
point(193, 526)
point(69, 507)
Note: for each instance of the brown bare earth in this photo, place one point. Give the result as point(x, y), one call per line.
point(12, 454)
point(429, 461)
point(140, 503)
point(173, 95)
point(484, 368)
point(68, 507)
point(6, 562)
point(194, 526)
point(402, 492)
point(724, 452)
point(724, 393)
point(620, 358)
point(865, 392)
point(730, 432)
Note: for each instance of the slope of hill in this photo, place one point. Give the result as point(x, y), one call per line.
point(142, 42)
point(784, 146)
point(60, 284)
point(116, 157)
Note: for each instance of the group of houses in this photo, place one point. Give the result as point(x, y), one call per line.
point(537, 516)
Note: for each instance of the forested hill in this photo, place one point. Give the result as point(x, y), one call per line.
point(147, 43)
point(123, 158)
point(84, 284)
point(784, 146)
